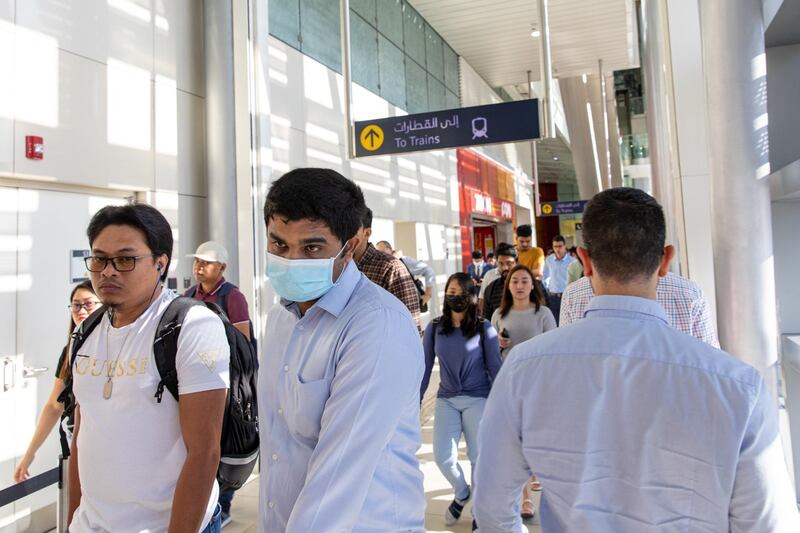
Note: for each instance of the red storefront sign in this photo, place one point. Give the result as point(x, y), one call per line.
point(481, 203)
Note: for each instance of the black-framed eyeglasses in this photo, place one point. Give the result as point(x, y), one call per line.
point(121, 263)
point(89, 306)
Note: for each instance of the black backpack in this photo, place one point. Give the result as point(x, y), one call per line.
point(239, 442)
point(222, 303)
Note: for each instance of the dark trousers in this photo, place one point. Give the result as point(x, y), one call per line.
point(554, 303)
point(225, 499)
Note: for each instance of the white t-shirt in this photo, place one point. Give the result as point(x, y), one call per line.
point(130, 448)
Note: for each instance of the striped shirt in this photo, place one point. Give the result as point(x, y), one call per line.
point(388, 272)
point(682, 299)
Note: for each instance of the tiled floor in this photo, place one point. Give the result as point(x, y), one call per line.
point(437, 491)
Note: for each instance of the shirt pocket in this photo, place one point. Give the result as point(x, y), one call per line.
point(305, 403)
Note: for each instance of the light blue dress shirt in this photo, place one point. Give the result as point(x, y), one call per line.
point(555, 272)
point(632, 427)
point(338, 406)
point(420, 268)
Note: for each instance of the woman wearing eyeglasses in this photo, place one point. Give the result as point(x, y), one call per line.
point(83, 301)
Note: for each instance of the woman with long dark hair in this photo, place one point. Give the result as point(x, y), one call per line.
point(469, 359)
point(522, 314)
point(83, 302)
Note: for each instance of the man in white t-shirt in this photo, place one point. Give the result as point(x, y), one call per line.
point(136, 464)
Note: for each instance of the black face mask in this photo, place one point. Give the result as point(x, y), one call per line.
point(458, 304)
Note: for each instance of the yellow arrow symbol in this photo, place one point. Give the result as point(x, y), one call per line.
point(371, 137)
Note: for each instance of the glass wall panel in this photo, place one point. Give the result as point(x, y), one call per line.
point(436, 96)
point(433, 53)
point(390, 20)
point(414, 34)
point(365, 8)
point(451, 69)
point(364, 53)
point(284, 21)
point(395, 53)
point(416, 88)
point(319, 30)
point(392, 72)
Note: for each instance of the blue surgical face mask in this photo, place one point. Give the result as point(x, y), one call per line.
point(301, 280)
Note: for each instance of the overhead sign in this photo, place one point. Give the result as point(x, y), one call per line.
point(452, 128)
point(551, 209)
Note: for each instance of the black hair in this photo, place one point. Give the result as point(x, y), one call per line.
point(477, 254)
point(559, 238)
point(536, 296)
point(147, 219)
point(471, 322)
point(86, 285)
point(506, 249)
point(319, 194)
point(524, 230)
point(624, 232)
point(366, 220)
point(490, 255)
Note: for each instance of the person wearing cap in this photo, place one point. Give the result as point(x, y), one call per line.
point(210, 261)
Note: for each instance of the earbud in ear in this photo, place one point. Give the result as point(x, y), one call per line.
point(158, 267)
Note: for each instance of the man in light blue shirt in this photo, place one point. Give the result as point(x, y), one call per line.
point(416, 268)
point(631, 425)
point(339, 376)
point(555, 274)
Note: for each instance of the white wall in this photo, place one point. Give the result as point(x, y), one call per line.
point(785, 224)
point(116, 91)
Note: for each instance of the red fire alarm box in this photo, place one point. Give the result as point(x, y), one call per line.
point(34, 147)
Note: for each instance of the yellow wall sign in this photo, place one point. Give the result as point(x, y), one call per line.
point(371, 137)
point(547, 209)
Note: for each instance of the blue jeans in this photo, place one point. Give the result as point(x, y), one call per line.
point(454, 416)
point(215, 526)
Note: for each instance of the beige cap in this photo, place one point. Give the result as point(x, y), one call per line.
point(212, 252)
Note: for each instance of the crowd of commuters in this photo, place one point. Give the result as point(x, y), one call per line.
point(627, 415)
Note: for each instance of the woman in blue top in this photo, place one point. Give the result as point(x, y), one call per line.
point(469, 359)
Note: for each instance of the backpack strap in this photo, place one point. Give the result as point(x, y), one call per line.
point(82, 333)
point(482, 332)
point(165, 344)
point(222, 295)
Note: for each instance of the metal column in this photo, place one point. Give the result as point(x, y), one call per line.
point(344, 20)
point(221, 129)
point(735, 78)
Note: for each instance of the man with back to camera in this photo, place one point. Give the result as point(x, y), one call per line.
point(629, 424)
point(137, 464)
point(527, 254)
point(489, 277)
point(415, 268)
point(386, 270)
point(338, 389)
point(555, 274)
point(506, 259)
point(208, 267)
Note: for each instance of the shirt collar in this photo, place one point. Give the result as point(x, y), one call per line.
point(626, 305)
point(214, 290)
point(369, 254)
point(335, 300)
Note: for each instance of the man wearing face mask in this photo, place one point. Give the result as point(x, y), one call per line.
point(338, 387)
point(506, 259)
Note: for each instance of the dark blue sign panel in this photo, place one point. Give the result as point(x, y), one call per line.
point(452, 128)
point(551, 209)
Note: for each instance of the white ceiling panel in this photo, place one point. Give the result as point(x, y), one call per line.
point(495, 36)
